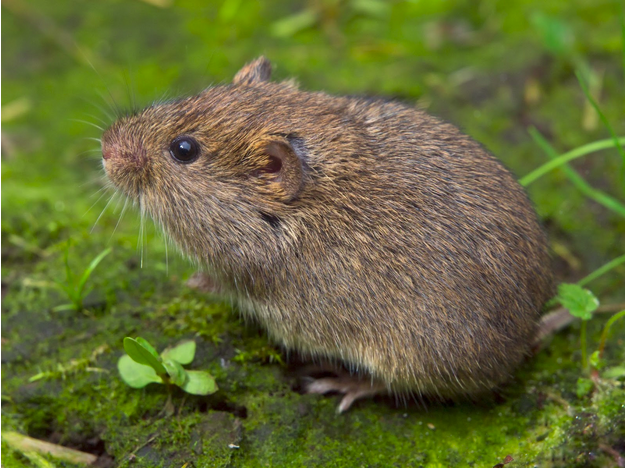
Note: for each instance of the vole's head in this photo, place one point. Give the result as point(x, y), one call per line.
point(217, 170)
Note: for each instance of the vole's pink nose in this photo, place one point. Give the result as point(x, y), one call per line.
point(129, 156)
point(107, 152)
point(110, 148)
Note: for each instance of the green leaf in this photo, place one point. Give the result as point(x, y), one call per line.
point(596, 361)
point(556, 34)
point(199, 383)
point(580, 302)
point(182, 353)
point(372, 8)
point(229, 9)
point(584, 387)
point(615, 372)
point(143, 342)
point(136, 375)
point(291, 25)
point(38, 376)
point(62, 307)
point(143, 355)
point(176, 373)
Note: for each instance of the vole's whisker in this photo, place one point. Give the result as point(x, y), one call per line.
point(121, 215)
point(98, 140)
point(88, 123)
point(95, 181)
point(103, 110)
point(166, 253)
point(89, 154)
point(102, 121)
point(140, 240)
point(163, 99)
point(102, 189)
point(102, 212)
point(130, 91)
point(114, 107)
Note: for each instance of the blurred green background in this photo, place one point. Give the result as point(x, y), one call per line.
point(494, 68)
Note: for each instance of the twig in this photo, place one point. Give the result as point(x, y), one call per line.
point(561, 318)
point(558, 399)
point(620, 461)
point(27, 444)
point(149, 441)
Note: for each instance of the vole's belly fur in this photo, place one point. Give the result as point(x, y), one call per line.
point(409, 252)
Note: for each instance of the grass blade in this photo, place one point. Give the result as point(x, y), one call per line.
point(602, 270)
point(68, 270)
point(603, 118)
point(577, 180)
point(606, 330)
point(64, 307)
point(566, 157)
point(92, 266)
point(623, 33)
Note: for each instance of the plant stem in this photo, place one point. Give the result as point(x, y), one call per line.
point(583, 346)
point(606, 330)
point(602, 270)
point(568, 156)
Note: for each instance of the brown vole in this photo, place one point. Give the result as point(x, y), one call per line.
point(353, 229)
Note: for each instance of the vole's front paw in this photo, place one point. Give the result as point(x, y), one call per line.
point(352, 387)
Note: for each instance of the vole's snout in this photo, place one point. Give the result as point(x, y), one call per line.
point(132, 155)
point(125, 161)
point(107, 152)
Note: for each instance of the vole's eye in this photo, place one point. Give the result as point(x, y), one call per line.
point(184, 149)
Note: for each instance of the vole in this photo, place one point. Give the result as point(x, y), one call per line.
point(354, 229)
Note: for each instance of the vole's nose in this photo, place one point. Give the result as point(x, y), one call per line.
point(110, 150)
point(133, 156)
point(107, 152)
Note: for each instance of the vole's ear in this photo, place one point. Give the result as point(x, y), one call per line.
point(283, 166)
point(254, 72)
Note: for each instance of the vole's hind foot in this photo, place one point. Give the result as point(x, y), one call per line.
point(352, 387)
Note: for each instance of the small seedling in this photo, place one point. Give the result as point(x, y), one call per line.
point(143, 365)
point(580, 303)
point(596, 359)
point(75, 287)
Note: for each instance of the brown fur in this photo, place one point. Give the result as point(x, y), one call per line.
point(388, 240)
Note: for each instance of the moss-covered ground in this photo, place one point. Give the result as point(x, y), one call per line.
point(494, 68)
